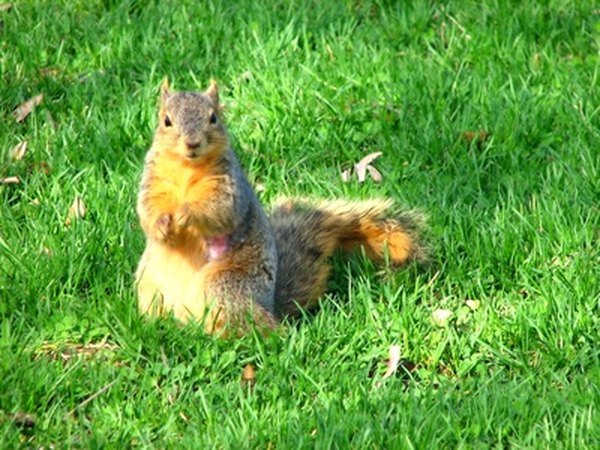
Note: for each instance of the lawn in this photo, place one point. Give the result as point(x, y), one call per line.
point(487, 115)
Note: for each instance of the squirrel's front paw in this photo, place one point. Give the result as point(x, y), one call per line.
point(164, 227)
point(183, 216)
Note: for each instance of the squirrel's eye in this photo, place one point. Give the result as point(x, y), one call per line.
point(213, 118)
point(168, 122)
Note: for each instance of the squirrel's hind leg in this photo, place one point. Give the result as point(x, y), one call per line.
point(239, 295)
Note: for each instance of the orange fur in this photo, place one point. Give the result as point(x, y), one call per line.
point(380, 239)
point(176, 182)
point(186, 181)
point(367, 227)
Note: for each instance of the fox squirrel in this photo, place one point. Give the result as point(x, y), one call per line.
point(212, 253)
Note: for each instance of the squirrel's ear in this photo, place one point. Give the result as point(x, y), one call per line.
point(164, 91)
point(213, 92)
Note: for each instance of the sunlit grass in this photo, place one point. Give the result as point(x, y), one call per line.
point(309, 90)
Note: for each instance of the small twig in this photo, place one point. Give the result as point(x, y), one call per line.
point(92, 397)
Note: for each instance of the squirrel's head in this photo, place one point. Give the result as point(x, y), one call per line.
point(189, 123)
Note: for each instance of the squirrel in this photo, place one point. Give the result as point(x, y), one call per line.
point(213, 255)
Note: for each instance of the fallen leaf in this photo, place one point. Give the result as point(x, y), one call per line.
point(10, 180)
point(560, 261)
point(446, 371)
point(42, 167)
point(249, 376)
point(375, 174)
point(76, 211)
point(49, 71)
point(18, 151)
point(259, 187)
point(473, 304)
point(479, 137)
point(441, 317)
point(65, 351)
point(361, 166)
point(346, 175)
point(246, 76)
point(5, 7)
point(27, 107)
point(392, 362)
point(23, 421)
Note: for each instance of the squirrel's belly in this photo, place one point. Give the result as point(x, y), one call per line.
point(168, 281)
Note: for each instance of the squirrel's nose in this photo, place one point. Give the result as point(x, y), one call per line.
point(193, 145)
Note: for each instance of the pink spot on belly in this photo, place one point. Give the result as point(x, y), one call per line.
point(217, 246)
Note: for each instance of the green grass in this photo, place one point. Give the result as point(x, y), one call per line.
point(310, 88)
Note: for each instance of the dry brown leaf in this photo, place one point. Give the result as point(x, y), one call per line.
point(361, 166)
point(24, 109)
point(560, 261)
point(246, 76)
point(346, 175)
point(10, 180)
point(5, 7)
point(249, 375)
point(76, 211)
point(375, 174)
point(49, 71)
point(43, 167)
point(392, 362)
point(18, 151)
point(446, 371)
point(479, 137)
point(441, 317)
point(22, 420)
point(66, 350)
point(473, 304)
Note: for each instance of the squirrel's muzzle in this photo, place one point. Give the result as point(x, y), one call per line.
point(193, 145)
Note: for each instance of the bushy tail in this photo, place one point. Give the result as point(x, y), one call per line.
point(307, 234)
